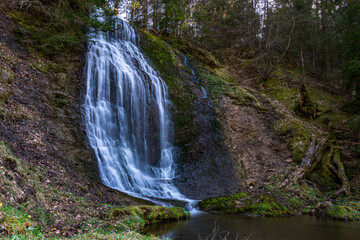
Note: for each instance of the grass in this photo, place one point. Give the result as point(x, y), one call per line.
point(17, 224)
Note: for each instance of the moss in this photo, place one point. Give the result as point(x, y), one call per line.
point(301, 198)
point(239, 203)
point(243, 97)
point(346, 211)
point(143, 215)
point(200, 55)
point(221, 203)
point(59, 103)
point(163, 58)
point(217, 82)
point(53, 26)
point(281, 91)
point(243, 203)
point(300, 136)
point(41, 68)
point(14, 221)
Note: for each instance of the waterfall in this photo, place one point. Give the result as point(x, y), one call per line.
point(195, 78)
point(127, 117)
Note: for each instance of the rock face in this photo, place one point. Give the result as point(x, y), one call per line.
point(230, 147)
point(204, 166)
point(255, 151)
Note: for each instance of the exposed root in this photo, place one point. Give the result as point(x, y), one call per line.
point(326, 154)
point(305, 165)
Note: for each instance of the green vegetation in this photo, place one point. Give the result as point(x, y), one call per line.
point(349, 211)
point(15, 223)
point(144, 215)
point(301, 198)
point(52, 26)
point(24, 211)
point(243, 97)
point(163, 57)
point(245, 203)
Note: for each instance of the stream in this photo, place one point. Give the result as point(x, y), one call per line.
point(202, 225)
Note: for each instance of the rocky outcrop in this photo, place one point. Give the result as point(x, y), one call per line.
point(256, 151)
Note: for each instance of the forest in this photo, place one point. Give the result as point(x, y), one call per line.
point(152, 119)
point(315, 37)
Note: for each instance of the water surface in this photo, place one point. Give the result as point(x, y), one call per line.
point(258, 228)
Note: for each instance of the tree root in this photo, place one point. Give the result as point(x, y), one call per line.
point(326, 154)
point(305, 165)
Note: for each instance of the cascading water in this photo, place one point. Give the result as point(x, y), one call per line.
point(127, 117)
point(195, 78)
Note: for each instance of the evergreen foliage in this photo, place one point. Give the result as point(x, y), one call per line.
point(320, 38)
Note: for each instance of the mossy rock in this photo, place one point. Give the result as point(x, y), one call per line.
point(150, 214)
point(243, 97)
point(243, 203)
point(300, 136)
point(218, 81)
point(222, 203)
point(347, 211)
point(162, 56)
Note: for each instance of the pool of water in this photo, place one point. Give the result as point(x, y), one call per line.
point(202, 226)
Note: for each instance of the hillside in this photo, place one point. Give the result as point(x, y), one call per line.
point(243, 145)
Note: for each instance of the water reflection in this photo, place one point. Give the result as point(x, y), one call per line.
point(258, 228)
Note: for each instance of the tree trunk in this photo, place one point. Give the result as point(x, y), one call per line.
point(305, 107)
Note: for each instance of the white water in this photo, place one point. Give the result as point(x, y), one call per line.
point(194, 77)
point(127, 117)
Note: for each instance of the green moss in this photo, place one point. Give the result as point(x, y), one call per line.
point(163, 57)
point(217, 83)
point(59, 103)
point(242, 203)
point(143, 215)
point(14, 221)
point(41, 68)
point(200, 55)
point(346, 211)
point(243, 97)
point(54, 26)
point(281, 91)
point(300, 136)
